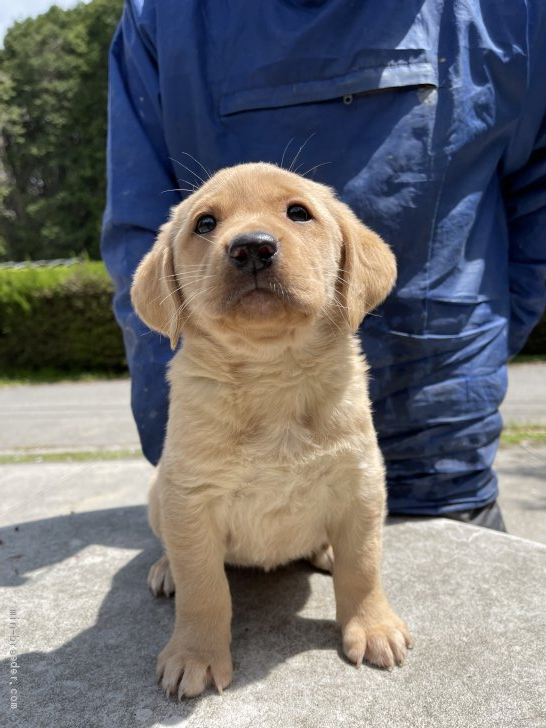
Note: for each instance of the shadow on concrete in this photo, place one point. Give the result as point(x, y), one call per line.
point(105, 674)
point(539, 504)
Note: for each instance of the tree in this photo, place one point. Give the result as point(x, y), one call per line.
point(53, 96)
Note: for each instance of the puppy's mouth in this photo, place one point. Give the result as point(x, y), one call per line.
point(260, 298)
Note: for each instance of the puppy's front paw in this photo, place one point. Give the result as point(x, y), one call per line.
point(186, 672)
point(382, 641)
point(160, 579)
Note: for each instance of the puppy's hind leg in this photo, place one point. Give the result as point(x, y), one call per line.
point(323, 558)
point(160, 579)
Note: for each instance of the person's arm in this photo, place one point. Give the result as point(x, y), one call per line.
point(139, 172)
point(525, 198)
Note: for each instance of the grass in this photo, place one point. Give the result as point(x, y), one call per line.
point(53, 376)
point(519, 434)
point(529, 359)
point(70, 456)
point(511, 436)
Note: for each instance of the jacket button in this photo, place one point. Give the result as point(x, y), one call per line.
point(348, 99)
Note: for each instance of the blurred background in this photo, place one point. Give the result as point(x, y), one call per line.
point(55, 296)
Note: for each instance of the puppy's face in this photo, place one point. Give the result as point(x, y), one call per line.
point(259, 252)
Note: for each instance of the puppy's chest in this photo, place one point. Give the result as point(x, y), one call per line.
point(286, 456)
point(279, 441)
point(272, 477)
point(273, 513)
point(280, 490)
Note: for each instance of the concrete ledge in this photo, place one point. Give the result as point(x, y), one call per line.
point(88, 633)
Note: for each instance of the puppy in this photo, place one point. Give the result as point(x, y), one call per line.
point(270, 452)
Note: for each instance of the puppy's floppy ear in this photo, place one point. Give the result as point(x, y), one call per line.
point(367, 268)
point(155, 292)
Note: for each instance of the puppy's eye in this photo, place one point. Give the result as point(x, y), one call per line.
point(205, 224)
point(298, 213)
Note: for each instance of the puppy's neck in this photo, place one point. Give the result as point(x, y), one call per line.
point(296, 401)
point(304, 348)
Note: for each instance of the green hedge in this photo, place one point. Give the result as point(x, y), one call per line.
point(58, 317)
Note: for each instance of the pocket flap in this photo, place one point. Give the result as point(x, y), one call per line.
point(376, 69)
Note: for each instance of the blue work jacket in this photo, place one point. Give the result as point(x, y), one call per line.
point(428, 118)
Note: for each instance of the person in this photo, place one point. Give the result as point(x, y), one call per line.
point(428, 119)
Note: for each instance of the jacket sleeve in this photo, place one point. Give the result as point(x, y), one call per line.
point(525, 199)
point(138, 174)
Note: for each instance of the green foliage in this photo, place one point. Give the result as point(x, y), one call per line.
point(53, 96)
point(58, 317)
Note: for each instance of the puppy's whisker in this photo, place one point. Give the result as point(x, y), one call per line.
point(180, 310)
point(205, 170)
point(187, 266)
point(188, 182)
point(291, 168)
point(202, 237)
point(196, 298)
point(172, 293)
point(332, 320)
point(196, 279)
point(285, 150)
point(200, 303)
point(304, 174)
point(179, 189)
point(194, 275)
point(176, 161)
point(188, 281)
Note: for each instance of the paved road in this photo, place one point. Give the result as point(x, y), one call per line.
point(96, 415)
point(525, 402)
point(67, 416)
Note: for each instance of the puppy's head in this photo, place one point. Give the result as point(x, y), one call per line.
point(258, 253)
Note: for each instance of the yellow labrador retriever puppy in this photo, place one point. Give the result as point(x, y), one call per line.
point(270, 453)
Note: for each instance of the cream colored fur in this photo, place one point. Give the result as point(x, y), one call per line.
point(270, 453)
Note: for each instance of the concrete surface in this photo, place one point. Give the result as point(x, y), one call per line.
point(76, 549)
point(45, 490)
point(522, 490)
point(89, 632)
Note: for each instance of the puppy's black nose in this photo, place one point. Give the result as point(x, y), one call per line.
point(253, 251)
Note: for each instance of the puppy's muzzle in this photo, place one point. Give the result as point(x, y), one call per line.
point(252, 252)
